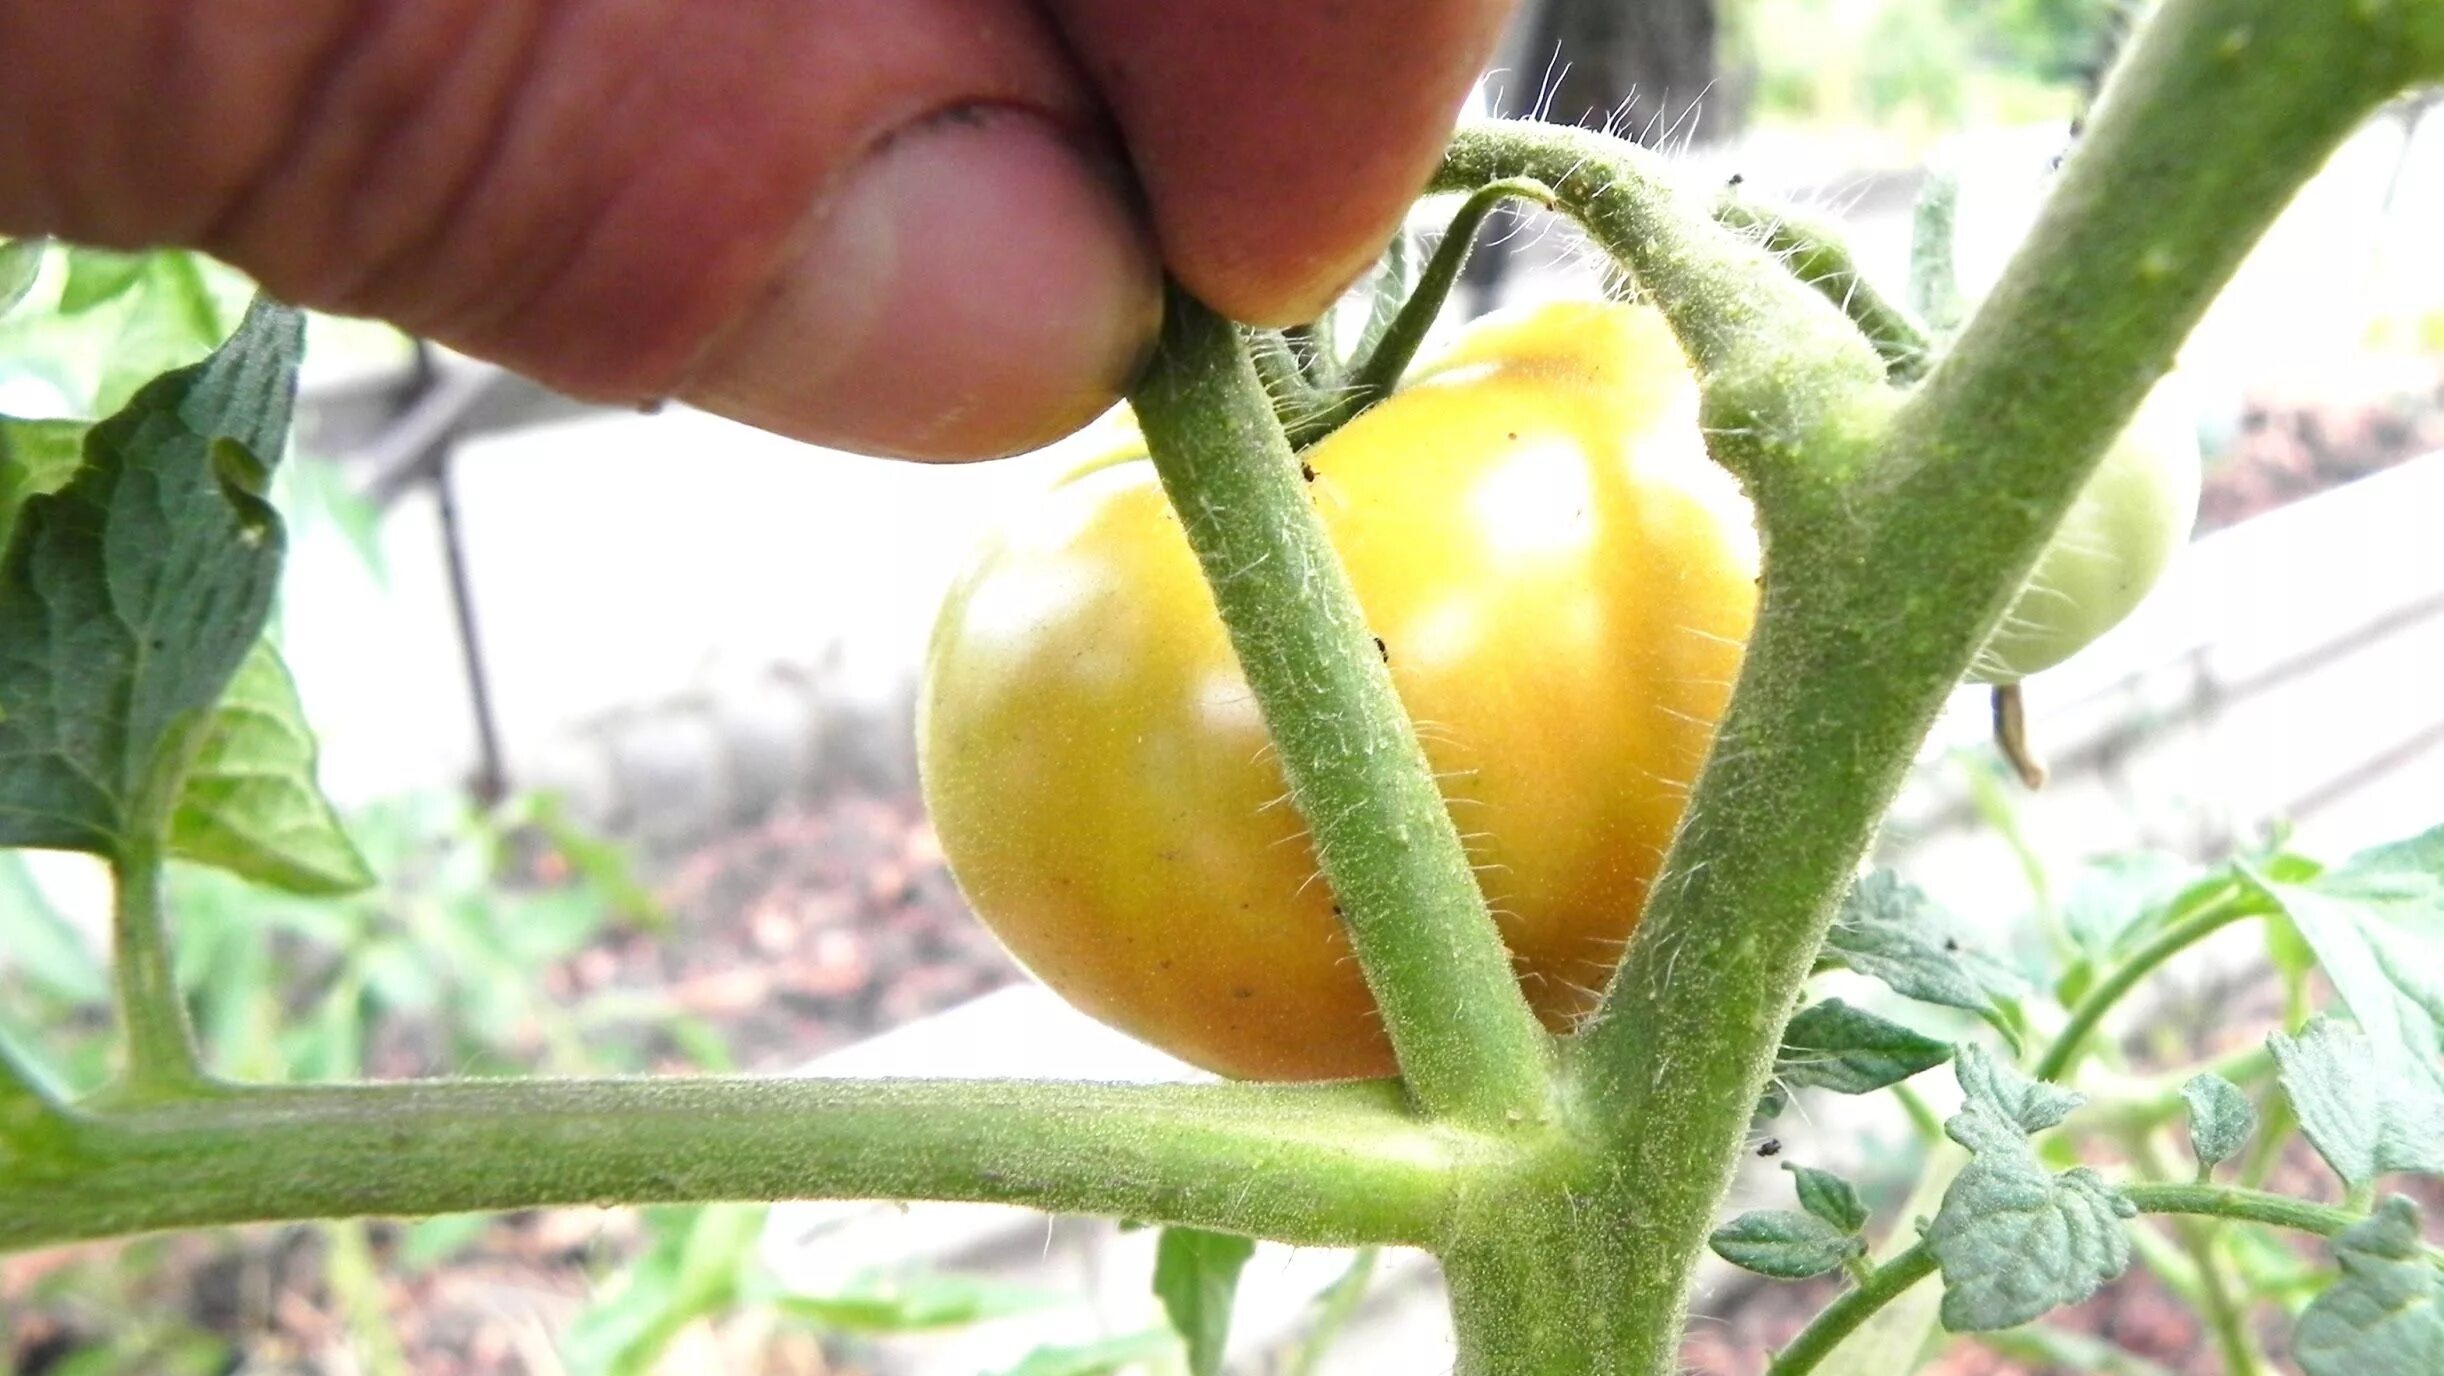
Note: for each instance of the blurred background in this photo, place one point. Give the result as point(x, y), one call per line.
point(619, 708)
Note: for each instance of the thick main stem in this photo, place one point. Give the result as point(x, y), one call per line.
point(1881, 585)
point(1468, 1046)
point(1327, 1165)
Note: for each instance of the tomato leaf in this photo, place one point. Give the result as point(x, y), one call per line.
point(20, 264)
point(1828, 1197)
point(1832, 1045)
point(2220, 1118)
point(250, 804)
point(2376, 924)
point(36, 456)
point(2116, 901)
point(2365, 1113)
point(1784, 1244)
point(1196, 1274)
point(2014, 1240)
point(97, 275)
point(1891, 931)
point(2386, 1314)
point(2030, 1105)
point(129, 597)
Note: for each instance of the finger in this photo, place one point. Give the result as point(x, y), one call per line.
point(882, 224)
point(1280, 140)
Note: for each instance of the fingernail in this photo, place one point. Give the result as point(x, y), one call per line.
point(976, 286)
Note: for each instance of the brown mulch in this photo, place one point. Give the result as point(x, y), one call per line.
point(2290, 444)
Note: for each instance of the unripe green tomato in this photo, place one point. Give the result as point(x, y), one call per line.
point(2137, 508)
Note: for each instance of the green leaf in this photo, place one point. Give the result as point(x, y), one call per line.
point(2385, 1316)
point(2030, 1105)
point(2221, 1118)
point(1785, 1244)
point(250, 804)
point(1832, 1045)
point(36, 456)
point(2116, 901)
point(20, 264)
point(1101, 1358)
point(97, 275)
point(2376, 924)
point(1828, 1197)
point(1891, 931)
point(2365, 1114)
point(129, 597)
point(917, 1301)
point(1196, 1274)
point(2012, 1239)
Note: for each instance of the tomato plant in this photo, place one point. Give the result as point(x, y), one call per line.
point(1567, 1182)
point(1560, 581)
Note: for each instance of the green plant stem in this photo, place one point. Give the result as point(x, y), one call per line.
point(1373, 377)
point(1670, 1072)
point(1816, 254)
point(1775, 358)
point(2063, 1056)
point(1323, 1165)
point(160, 1055)
point(29, 1114)
point(1895, 541)
point(1855, 1306)
point(1315, 349)
point(1283, 378)
point(2226, 1312)
point(1887, 1283)
point(1468, 1046)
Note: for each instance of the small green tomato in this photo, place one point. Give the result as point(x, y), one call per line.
point(2137, 508)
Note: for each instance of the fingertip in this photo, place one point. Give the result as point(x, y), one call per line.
point(977, 285)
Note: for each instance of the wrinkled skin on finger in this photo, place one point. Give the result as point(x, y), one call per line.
point(931, 228)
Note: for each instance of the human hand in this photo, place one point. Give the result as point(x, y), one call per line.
point(905, 227)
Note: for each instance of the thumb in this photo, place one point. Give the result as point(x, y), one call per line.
point(886, 225)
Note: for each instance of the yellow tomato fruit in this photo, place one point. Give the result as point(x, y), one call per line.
point(1562, 584)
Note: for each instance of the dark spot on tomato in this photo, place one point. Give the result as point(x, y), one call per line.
point(1512, 435)
point(1163, 964)
point(1242, 991)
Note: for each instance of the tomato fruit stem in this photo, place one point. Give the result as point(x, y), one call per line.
point(1467, 1044)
